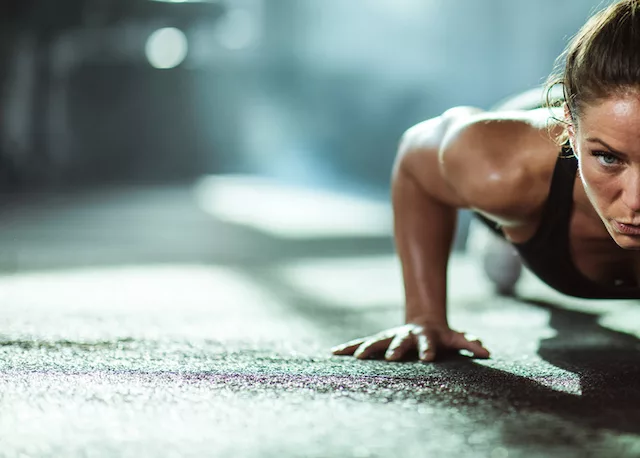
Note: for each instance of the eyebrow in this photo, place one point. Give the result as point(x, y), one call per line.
point(597, 140)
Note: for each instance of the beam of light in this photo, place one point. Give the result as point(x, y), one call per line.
point(546, 374)
point(143, 301)
point(339, 281)
point(291, 212)
point(167, 48)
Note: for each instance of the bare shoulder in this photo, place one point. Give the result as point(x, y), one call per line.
point(497, 163)
point(500, 163)
point(418, 154)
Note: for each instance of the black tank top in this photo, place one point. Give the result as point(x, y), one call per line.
point(547, 254)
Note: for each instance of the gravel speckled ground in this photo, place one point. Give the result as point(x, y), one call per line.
point(134, 324)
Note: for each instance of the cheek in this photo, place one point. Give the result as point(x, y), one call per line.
point(587, 176)
point(600, 187)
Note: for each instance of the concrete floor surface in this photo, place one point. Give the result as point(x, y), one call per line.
point(135, 324)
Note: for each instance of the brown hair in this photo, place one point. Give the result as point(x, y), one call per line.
point(602, 59)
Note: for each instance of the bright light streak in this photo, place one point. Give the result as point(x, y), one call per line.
point(125, 288)
point(167, 48)
point(178, 300)
point(291, 212)
point(339, 281)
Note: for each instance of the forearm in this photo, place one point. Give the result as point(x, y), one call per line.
point(424, 228)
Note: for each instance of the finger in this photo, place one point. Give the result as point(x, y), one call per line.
point(349, 347)
point(399, 346)
point(470, 343)
point(426, 351)
point(372, 347)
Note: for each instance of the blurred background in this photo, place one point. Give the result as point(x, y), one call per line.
point(277, 117)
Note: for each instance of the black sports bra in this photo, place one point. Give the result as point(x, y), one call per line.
point(547, 254)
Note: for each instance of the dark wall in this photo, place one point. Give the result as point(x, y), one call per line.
point(321, 93)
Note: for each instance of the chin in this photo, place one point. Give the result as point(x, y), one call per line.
point(624, 241)
point(627, 242)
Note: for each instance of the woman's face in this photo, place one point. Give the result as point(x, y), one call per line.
point(606, 140)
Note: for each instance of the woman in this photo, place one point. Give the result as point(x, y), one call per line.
point(563, 190)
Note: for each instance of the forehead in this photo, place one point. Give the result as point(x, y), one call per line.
point(614, 119)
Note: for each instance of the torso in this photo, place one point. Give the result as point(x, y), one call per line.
point(593, 251)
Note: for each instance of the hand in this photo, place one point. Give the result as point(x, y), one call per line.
point(429, 341)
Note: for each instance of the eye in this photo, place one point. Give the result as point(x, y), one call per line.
point(606, 159)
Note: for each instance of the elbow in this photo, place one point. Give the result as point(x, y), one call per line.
point(404, 162)
point(413, 143)
point(404, 146)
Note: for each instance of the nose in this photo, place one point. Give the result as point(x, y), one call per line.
point(631, 193)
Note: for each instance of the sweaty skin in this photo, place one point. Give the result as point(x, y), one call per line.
point(500, 165)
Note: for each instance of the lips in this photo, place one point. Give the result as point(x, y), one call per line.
point(627, 229)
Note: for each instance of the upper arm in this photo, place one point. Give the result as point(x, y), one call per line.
point(498, 167)
point(476, 160)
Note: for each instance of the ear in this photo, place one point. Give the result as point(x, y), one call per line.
point(571, 129)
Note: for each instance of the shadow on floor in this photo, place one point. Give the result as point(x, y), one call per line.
point(605, 361)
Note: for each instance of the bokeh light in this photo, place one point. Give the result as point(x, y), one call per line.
point(167, 48)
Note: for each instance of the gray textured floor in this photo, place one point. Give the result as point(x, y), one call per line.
point(134, 324)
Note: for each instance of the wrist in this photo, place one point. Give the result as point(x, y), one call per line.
point(425, 318)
